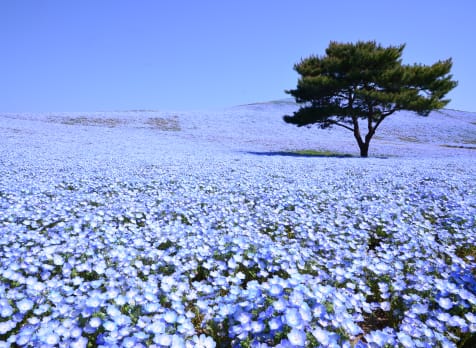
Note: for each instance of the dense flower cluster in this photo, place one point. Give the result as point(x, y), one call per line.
point(205, 249)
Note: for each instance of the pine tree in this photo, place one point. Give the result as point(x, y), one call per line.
point(365, 81)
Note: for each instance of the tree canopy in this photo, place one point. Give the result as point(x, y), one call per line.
point(365, 81)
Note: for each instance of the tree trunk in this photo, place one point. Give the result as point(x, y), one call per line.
point(363, 146)
point(364, 149)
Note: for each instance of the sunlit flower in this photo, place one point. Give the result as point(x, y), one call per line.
point(203, 341)
point(24, 305)
point(170, 317)
point(405, 340)
point(163, 339)
point(257, 326)
point(445, 303)
point(275, 324)
point(6, 326)
point(297, 337)
point(293, 318)
point(321, 335)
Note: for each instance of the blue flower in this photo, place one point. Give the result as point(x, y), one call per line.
point(443, 316)
point(280, 305)
point(25, 305)
point(203, 341)
point(177, 342)
point(6, 310)
point(275, 290)
point(22, 340)
point(293, 318)
point(352, 328)
point(94, 302)
point(109, 325)
point(445, 303)
point(157, 327)
point(170, 316)
point(322, 336)
point(275, 324)
point(81, 342)
point(7, 326)
point(163, 339)
point(297, 337)
point(257, 326)
point(378, 337)
point(470, 317)
point(243, 317)
point(405, 340)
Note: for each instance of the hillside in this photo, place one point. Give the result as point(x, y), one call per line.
point(253, 128)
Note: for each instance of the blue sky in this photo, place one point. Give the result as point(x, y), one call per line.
point(100, 55)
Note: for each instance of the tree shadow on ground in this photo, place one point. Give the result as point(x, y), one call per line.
point(299, 154)
point(309, 154)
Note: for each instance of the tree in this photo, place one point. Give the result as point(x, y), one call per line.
point(365, 81)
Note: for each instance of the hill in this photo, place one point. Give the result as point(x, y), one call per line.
point(253, 128)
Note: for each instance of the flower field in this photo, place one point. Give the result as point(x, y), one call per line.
point(119, 231)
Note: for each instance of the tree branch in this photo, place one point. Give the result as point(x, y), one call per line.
point(340, 125)
point(385, 114)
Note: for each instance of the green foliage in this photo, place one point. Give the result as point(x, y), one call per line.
point(171, 124)
point(365, 81)
point(320, 153)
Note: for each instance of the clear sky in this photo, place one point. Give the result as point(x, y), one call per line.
point(100, 55)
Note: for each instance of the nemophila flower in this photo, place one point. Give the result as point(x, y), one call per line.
point(443, 317)
point(75, 332)
point(51, 339)
point(177, 342)
point(81, 342)
point(94, 302)
point(58, 260)
point(151, 307)
point(385, 306)
point(22, 340)
point(122, 320)
point(380, 338)
point(25, 305)
point(280, 305)
point(170, 317)
point(305, 312)
point(322, 336)
point(457, 321)
point(275, 324)
point(296, 298)
point(202, 305)
point(163, 339)
point(257, 326)
point(7, 326)
point(405, 340)
point(297, 337)
point(275, 290)
point(5, 309)
point(419, 308)
point(156, 327)
point(110, 325)
point(243, 317)
point(113, 311)
point(445, 303)
point(470, 317)
point(352, 328)
point(186, 328)
point(203, 341)
point(293, 318)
